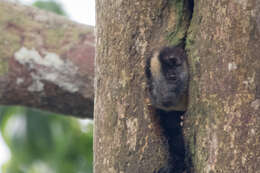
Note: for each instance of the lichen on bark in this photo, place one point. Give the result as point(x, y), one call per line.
point(45, 60)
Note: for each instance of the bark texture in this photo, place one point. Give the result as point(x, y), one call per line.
point(46, 61)
point(127, 134)
point(222, 126)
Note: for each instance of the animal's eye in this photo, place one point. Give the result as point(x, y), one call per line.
point(173, 60)
point(176, 62)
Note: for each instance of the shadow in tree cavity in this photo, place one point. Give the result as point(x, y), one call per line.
point(171, 125)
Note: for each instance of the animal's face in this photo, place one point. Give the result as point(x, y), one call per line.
point(172, 63)
point(167, 75)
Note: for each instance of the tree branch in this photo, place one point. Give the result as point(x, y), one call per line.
point(46, 61)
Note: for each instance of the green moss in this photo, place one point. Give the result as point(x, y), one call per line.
point(194, 27)
point(57, 37)
point(3, 67)
point(182, 21)
point(54, 37)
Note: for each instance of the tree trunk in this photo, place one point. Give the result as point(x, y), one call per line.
point(128, 135)
point(221, 126)
point(46, 61)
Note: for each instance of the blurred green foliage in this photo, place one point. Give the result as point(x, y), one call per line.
point(50, 5)
point(41, 143)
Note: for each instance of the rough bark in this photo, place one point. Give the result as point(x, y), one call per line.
point(46, 61)
point(127, 134)
point(222, 126)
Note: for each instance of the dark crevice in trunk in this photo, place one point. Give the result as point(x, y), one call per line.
point(187, 158)
point(180, 161)
point(191, 7)
point(171, 124)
